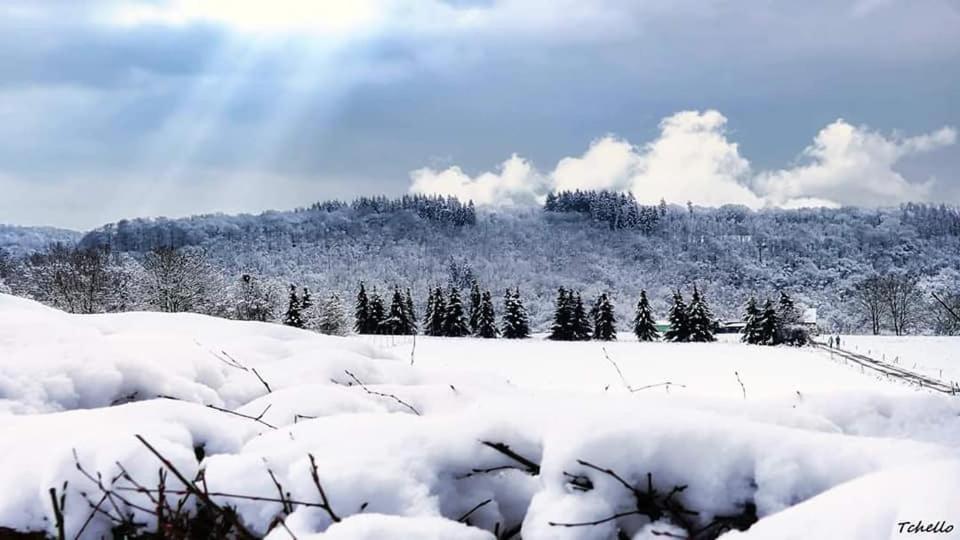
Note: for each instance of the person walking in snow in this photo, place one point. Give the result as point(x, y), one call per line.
point(837, 341)
point(830, 342)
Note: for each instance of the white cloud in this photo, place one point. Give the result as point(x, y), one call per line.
point(609, 163)
point(515, 182)
point(693, 160)
point(853, 165)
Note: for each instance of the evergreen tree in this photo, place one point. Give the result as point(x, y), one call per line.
point(396, 322)
point(454, 324)
point(486, 318)
point(516, 324)
point(428, 314)
point(605, 322)
point(644, 326)
point(769, 325)
point(363, 321)
point(292, 317)
point(787, 310)
point(562, 327)
point(331, 319)
point(411, 314)
point(475, 300)
point(752, 333)
point(700, 319)
point(679, 326)
point(580, 322)
point(308, 311)
point(435, 323)
point(377, 315)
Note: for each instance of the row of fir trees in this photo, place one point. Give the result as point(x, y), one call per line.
point(572, 322)
point(445, 314)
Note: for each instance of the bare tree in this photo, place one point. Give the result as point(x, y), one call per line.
point(177, 280)
point(902, 299)
point(78, 280)
point(870, 299)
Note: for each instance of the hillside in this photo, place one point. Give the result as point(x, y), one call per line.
point(819, 255)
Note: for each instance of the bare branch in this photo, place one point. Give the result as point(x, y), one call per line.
point(480, 505)
point(381, 394)
point(528, 465)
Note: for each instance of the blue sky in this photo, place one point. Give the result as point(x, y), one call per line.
point(116, 109)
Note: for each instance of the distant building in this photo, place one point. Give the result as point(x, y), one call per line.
point(809, 319)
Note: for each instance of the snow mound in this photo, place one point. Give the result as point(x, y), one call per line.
point(324, 437)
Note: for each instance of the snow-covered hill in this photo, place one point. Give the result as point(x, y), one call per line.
point(528, 438)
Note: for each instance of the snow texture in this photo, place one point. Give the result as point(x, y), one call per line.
point(400, 449)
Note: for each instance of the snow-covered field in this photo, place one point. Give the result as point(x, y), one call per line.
point(504, 437)
point(935, 356)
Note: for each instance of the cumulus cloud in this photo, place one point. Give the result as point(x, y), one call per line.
point(516, 181)
point(848, 164)
point(692, 159)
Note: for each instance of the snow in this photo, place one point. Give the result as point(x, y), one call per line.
point(407, 451)
point(934, 356)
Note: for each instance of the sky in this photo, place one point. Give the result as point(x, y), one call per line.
point(113, 109)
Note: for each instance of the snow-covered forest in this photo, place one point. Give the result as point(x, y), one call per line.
point(590, 242)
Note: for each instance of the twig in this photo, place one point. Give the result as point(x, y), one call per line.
point(287, 507)
point(258, 419)
point(945, 306)
point(58, 511)
point(325, 503)
point(668, 384)
point(265, 385)
point(528, 465)
point(413, 349)
point(616, 367)
point(464, 517)
point(595, 522)
point(381, 394)
point(742, 387)
point(202, 495)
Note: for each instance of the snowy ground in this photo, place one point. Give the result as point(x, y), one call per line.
point(817, 448)
point(935, 356)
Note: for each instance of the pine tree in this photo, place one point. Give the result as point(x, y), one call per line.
point(751, 331)
point(292, 317)
point(454, 324)
point(580, 322)
point(644, 326)
point(435, 323)
point(308, 311)
point(769, 324)
point(331, 319)
point(363, 322)
point(377, 315)
point(605, 322)
point(679, 326)
point(486, 318)
point(787, 310)
point(475, 300)
point(699, 318)
point(411, 314)
point(516, 323)
point(428, 314)
point(562, 329)
point(396, 322)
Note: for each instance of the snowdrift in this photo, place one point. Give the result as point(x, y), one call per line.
point(288, 433)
